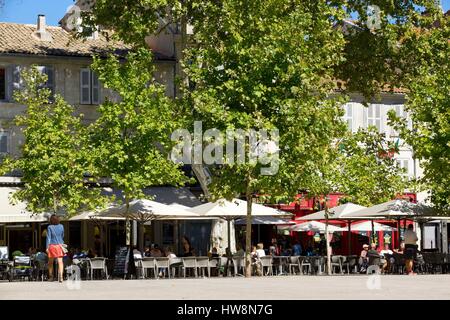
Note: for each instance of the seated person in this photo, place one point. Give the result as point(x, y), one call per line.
point(296, 249)
point(137, 254)
point(401, 250)
point(364, 259)
point(214, 253)
point(240, 252)
point(155, 251)
point(260, 250)
point(169, 253)
point(373, 252)
point(386, 262)
point(91, 253)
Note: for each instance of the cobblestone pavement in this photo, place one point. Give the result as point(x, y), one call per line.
point(259, 288)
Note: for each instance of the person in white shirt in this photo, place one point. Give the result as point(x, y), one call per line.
point(410, 249)
point(260, 250)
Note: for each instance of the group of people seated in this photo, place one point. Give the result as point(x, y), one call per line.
point(384, 256)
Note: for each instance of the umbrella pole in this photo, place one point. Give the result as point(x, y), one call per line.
point(373, 231)
point(349, 237)
point(229, 235)
point(398, 232)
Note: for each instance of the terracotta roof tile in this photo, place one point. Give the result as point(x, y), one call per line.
point(20, 39)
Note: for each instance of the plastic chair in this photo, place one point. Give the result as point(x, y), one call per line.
point(350, 263)
point(304, 262)
point(163, 263)
point(189, 263)
point(214, 263)
point(294, 263)
point(98, 264)
point(148, 263)
point(267, 262)
point(202, 264)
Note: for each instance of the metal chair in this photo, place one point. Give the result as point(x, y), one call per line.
point(98, 264)
point(267, 262)
point(202, 264)
point(189, 263)
point(148, 264)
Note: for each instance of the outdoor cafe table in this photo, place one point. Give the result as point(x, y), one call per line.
point(281, 261)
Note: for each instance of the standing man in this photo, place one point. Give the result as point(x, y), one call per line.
point(410, 249)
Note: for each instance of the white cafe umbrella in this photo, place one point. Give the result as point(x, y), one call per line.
point(367, 226)
point(265, 220)
point(231, 210)
point(390, 209)
point(336, 213)
point(144, 210)
point(394, 209)
point(315, 226)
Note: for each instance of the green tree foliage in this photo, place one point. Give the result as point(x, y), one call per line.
point(366, 171)
point(55, 156)
point(273, 64)
point(131, 137)
point(428, 101)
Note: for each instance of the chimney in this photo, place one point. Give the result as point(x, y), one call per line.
point(41, 32)
point(41, 23)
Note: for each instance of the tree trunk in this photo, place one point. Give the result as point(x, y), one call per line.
point(129, 236)
point(248, 234)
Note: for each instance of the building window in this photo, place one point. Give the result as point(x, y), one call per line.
point(50, 72)
point(374, 116)
point(348, 116)
point(404, 164)
point(89, 87)
point(4, 143)
point(2, 83)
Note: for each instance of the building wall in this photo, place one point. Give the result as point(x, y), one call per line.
point(360, 118)
point(66, 84)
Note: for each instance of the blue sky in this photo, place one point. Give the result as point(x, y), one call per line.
point(26, 11)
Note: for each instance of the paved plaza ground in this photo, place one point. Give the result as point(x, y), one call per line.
point(259, 288)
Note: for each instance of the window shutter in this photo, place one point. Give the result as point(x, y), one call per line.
point(85, 92)
point(50, 72)
point(3, 143)
point(365, 116)
point(14, 80)
point(95, 89)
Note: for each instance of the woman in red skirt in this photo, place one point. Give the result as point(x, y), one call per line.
point(55, 240)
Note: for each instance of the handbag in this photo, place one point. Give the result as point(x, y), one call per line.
point(64, 248)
